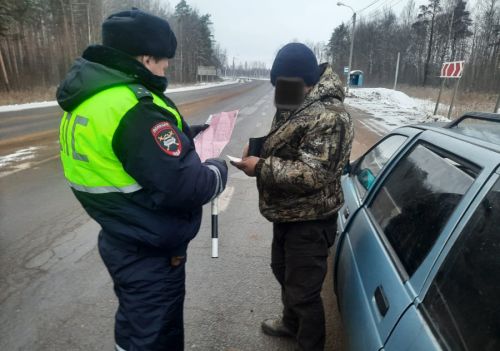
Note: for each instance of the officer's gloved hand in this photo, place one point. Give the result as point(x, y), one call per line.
point(197, 129)
point(221, 165)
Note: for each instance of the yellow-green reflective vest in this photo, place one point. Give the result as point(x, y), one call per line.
point(86, 136)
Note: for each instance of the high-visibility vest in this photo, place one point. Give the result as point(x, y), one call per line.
point(86, 136)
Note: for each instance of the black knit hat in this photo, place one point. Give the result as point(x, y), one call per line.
point(136, 33)
point(295, 60)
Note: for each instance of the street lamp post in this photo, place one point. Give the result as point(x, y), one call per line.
point(352, 42)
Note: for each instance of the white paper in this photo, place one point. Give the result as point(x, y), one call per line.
point(234, 159)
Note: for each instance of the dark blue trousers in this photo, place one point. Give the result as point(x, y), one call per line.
point(151, 297)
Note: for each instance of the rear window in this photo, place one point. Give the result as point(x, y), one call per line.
point(482, 129)
point(417, 199)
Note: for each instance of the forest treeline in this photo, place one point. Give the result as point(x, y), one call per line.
point(425, 36)
point(39, 39)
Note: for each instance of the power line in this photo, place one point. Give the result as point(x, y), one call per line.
point(383, 3)
point(364, 8)
point(380, 9)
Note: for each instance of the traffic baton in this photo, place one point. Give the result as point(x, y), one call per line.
point(215, 227)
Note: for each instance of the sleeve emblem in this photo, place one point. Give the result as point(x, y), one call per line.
point(167, 139)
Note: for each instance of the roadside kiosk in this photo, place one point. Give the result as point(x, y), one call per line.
point(356, 78)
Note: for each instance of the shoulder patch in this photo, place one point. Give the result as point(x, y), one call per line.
point(167, 139)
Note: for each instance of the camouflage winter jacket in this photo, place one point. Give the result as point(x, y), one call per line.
point(304, 154)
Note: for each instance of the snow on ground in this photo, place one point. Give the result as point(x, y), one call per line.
point(200, 86)
point(19, 160)
point(391, 108)
point(19, 155)
point(32, 105)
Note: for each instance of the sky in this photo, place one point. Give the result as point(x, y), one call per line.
point(254, 30)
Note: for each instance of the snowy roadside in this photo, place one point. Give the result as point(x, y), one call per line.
point(32, 105)
point(391, 108)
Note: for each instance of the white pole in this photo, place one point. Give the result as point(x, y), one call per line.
point(397, 72)
point(350, 53)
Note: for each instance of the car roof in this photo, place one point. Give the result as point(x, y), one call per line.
point(478, 128)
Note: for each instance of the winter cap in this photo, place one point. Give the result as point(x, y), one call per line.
point(136, 33)
point(295, 60)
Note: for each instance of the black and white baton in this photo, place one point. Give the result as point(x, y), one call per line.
point(215, 227)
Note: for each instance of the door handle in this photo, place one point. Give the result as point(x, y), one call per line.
point(381, 300)
point(346, 213)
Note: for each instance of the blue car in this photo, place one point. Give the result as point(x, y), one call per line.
point(417, 256)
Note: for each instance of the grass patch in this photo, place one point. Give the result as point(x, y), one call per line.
point(464, 101)
point(29, 95)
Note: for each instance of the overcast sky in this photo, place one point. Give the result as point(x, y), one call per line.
point(253, 30)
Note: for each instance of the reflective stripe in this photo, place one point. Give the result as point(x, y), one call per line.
point(105, 189)
point(68, 118)
point(83, 121)
point(218, 187)
point(118, 348)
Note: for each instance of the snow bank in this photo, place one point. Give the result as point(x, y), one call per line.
point(200, 86)
point(32, 105)
point(391, 108)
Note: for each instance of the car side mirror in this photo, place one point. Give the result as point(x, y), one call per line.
point(366, 178)
point(351, 167)
point(347, 169)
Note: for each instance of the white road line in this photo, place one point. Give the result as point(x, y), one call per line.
point(373, 128)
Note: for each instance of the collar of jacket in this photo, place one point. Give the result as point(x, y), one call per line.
point(120, 61)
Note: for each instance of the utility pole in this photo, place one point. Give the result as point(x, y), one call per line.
point(352, 43)
point(397, 72)
point(234, 72)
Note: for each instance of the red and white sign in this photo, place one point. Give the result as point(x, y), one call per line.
point(211, 141)
point(452, 69)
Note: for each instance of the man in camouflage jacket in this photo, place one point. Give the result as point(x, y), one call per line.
point(298, 178)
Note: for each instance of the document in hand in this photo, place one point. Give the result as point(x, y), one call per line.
point(210, 142)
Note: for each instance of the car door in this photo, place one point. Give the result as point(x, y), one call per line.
point(391, 235)
point(364, 171)
point(458, 309)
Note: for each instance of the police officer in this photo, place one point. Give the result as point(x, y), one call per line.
point(130, 160)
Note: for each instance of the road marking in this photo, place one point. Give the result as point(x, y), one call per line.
point(373, 128)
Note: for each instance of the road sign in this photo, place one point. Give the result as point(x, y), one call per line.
point(207, 71)
point(452, 69)
point(346, 69)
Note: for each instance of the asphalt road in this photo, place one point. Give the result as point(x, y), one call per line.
point(55, 293)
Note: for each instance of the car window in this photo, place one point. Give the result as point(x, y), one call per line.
point(416, 201)
point(372, 162)
point(462, 302)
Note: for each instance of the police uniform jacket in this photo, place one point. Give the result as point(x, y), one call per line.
point(129, 156)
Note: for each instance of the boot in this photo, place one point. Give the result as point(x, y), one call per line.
point(276, 327)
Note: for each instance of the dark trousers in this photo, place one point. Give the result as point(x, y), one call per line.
point(299, 263)
point(151, 298)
